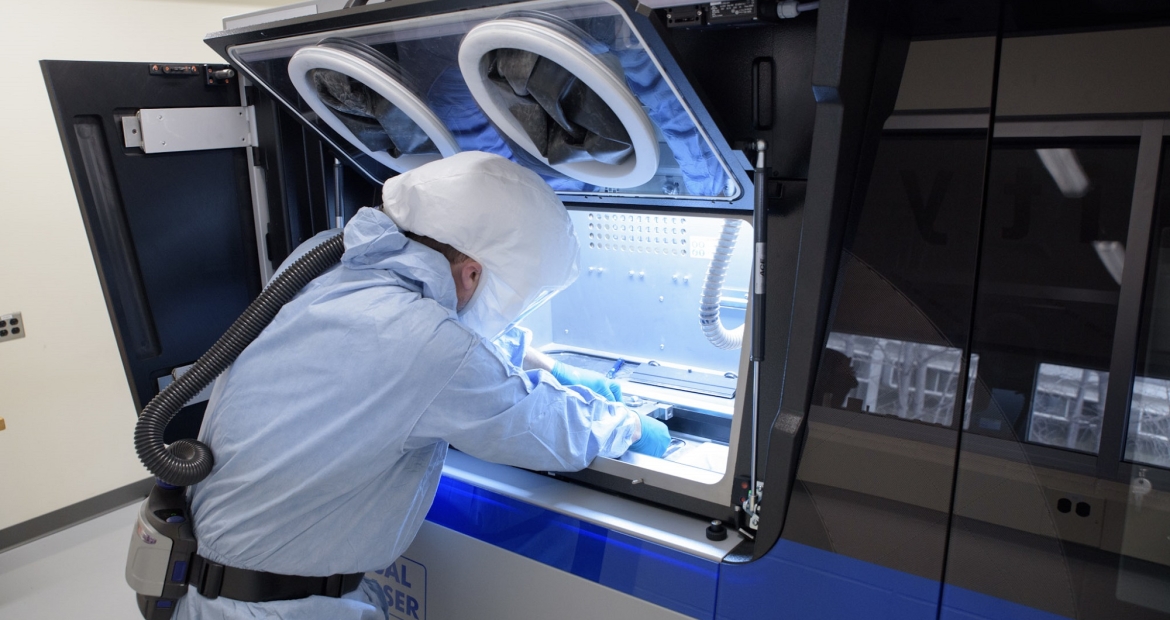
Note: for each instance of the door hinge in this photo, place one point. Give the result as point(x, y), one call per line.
point(172, 130)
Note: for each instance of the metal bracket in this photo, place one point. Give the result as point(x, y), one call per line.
point(172, 130)
point(752, 505)
point(165, 380)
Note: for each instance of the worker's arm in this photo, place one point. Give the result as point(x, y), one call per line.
point(497, 412)
point(535, 360)
point(515, 345)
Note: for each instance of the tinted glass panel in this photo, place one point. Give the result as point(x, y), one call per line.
point(875, 478)
point(1052, 261)
point(1048, 518)
point(901, 317)
point(1148, 439)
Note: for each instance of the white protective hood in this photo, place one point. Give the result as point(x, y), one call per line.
point(500, 214)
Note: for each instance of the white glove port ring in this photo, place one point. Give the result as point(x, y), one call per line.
point(393, 90)
point(564, 50)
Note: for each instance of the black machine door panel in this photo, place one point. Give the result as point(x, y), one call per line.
point(1061, 502)
point(171, 233)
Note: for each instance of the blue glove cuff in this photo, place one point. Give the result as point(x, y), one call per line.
point(565, 374)
point(655, 438)
point(595, 381)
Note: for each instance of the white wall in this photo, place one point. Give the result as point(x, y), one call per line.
point(63, 392)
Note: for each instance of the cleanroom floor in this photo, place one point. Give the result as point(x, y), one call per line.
point(78, 572)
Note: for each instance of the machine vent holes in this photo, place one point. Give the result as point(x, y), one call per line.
point(669, 241)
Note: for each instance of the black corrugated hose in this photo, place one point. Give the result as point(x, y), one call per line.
point(188, 461)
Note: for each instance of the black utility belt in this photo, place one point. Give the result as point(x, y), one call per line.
point(252, 586)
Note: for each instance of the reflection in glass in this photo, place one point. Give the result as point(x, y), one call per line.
point(1066, 407)
point(1149, 426)
point(875, 476)
point(1066, 171)
point(910, 380)
point(1148, 434)
point(1053, 256)
point(1112, 255)
point(1044, 515)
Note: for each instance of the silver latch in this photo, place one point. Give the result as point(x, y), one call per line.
point(171, 130)
point(751, 505)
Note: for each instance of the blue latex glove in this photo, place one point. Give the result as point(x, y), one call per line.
point(570, 375)
point(655, 438)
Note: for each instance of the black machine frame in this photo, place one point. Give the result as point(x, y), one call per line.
point(821, 91)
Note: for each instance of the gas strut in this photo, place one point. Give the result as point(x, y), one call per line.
point(760, 224)
point(338, 208)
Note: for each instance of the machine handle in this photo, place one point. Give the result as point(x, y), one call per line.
point(763, 92)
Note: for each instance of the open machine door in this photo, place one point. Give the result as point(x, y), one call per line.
point(584, 93)
point(170, 222)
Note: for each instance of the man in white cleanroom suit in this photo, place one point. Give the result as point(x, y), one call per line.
point(330, 429)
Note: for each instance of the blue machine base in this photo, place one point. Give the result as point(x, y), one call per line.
point(792, 581)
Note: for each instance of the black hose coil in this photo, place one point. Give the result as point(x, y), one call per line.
point(188, 461)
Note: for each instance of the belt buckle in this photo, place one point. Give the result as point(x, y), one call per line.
point(210, 579)
point(333, 586)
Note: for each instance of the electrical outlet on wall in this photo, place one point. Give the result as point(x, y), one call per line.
point(11, 326)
